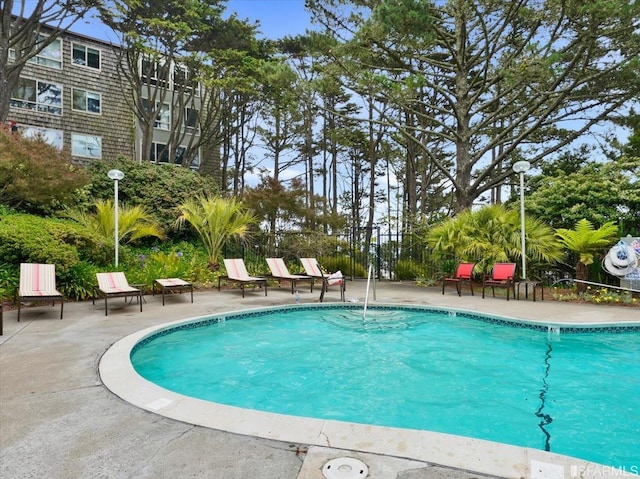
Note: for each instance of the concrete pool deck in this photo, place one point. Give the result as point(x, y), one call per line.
point(57, 420)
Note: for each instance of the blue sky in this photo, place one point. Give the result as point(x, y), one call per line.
point(277, 18)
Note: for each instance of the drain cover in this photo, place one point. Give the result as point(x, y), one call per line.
point(345, 468)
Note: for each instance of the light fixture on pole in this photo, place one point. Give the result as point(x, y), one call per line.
point(520, 167)
point(115, 175)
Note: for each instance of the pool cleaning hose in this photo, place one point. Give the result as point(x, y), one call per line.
point(621, 259)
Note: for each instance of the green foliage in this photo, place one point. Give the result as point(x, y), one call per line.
point(180, 260)
point(9, 279)
point(585, 240)
point(598, 192)
point(491, 235)
point(331, 264)
point(216, 220)
point(35, 177)
point(407, 270)
point(77, 281)
point(134, 222)
point(30, 239)
point(159, 188)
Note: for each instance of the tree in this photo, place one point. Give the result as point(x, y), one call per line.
point(216, 221)
point(23, 35)
point(600, 192)
point(491, 235)
point(585, 240)
point(134, 222)
point(503, 80)
point(172, 85)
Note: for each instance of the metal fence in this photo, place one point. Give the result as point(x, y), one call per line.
point(392, 256)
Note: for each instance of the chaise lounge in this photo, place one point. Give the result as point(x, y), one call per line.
point(237, 272)
point(38, 284)
point(280, 272)
point(115, 285)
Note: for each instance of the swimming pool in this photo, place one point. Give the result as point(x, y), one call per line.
point(416, 368)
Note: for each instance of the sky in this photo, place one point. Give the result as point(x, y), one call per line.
point(277, 19)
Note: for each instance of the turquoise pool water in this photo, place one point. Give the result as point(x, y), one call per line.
point(572, 393)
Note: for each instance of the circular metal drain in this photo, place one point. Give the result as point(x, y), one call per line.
point(345, 468)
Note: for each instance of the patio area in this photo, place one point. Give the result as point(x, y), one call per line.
point(59, 421)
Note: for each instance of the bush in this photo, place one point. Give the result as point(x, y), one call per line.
point(343, 263)
point(35, 177)
point(407, 270)
point(160, 188)
point(72, 249)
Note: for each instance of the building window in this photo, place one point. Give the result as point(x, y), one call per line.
point(159, 153)
point(52, 137)
point(154, 72)
point(86, 56)
point(183, 80)
point(87, 146)
point(163, 120)
point(191, 119)
point(50, 56)
point(163, 114)
point(37, 95)
point(86, 101)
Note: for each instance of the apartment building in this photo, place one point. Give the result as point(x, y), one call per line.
point(71, 94)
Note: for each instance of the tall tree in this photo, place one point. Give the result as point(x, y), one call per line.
point(23, 35)
point(173, 85)
point(509, 79)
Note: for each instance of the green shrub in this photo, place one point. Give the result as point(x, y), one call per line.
point(160, 188)
point(36, 177)
point(344, 264)
point(31, 239)
point(78, 281)
point(9, 279)
point(407, 270)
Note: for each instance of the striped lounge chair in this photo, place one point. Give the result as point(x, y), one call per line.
point(237, 272)
point(115, 285)
point(280, 272)
point(312, 268)
point(38, 284)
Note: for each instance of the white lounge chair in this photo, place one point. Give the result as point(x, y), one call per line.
point(38, 284)
point(280, 272)
point(237, 272)
point(115, 285)
point(312, 268)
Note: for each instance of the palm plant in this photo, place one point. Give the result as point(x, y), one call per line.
point(492, 235)
point(585, 240)
point(216, 220)
point(134, 222)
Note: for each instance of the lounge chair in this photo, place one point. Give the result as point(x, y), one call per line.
point(115, 285)
point(237, 272)
point(311, 268)
point(38, 284)
point(280, 273)
point(463, 275)
point(502, 275)
point(165, 285)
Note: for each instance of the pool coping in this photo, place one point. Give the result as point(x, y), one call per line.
point(481, 456)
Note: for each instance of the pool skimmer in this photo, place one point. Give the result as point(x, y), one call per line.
point(345, 468)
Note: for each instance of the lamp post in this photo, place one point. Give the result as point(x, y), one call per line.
point(115, 175)
point(520, 167)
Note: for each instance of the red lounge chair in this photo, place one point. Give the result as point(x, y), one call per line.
point(502, 276)
point(463, 275)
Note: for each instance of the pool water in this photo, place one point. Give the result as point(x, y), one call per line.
point(573, 394)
